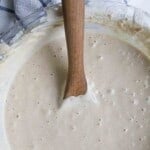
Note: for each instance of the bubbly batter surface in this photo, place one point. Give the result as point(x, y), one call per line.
point(114, 115)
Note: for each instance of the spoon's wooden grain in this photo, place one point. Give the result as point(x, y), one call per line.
point(73, 11)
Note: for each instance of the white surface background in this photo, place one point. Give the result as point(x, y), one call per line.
point(142, 4)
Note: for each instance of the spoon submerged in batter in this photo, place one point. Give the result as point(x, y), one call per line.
point(74, 28)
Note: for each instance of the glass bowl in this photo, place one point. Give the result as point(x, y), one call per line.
point(116, 19)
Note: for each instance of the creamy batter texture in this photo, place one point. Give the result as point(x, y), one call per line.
point(113, 115)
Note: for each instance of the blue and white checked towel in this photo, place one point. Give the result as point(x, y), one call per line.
point(17, 16)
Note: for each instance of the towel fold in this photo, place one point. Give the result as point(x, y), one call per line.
point(16, 16)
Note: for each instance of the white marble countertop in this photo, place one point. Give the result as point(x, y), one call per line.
point(141, 4)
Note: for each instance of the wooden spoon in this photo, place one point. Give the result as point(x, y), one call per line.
point(73, 11)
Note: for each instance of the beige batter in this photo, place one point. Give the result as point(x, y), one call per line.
point(113, 115)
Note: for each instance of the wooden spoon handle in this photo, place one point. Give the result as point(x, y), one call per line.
point(74, 27)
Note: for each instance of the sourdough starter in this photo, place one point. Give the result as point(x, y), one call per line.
point(113, 115)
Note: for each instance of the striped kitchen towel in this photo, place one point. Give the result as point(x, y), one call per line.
point(16, 16)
